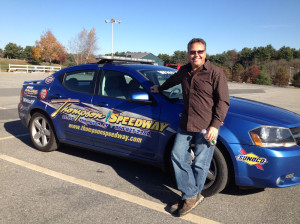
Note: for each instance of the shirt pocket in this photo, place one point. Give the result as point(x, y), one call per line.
point(202, 84)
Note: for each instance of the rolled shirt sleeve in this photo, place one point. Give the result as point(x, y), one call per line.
point(221, 99)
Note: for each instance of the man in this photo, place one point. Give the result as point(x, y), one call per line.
point(206, 101)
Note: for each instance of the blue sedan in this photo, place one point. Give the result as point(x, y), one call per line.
point(108, 107)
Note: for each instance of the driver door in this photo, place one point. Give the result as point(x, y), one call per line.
point(132, 127)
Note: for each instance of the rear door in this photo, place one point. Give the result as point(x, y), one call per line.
point(130, 127)
point(71, 113)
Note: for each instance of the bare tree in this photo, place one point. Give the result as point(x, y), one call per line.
point(231, 59)
point(83, 46)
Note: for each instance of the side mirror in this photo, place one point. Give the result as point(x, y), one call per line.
point(140, 97)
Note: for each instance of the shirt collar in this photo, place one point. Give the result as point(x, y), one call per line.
point(206, 66)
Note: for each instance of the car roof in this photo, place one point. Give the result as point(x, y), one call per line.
point(116, 66)
point(137, 67)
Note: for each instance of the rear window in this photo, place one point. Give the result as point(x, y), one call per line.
point(80, 81)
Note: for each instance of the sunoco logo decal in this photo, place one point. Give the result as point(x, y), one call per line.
point(251, 159)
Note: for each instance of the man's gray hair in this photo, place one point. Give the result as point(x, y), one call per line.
point(196, 40)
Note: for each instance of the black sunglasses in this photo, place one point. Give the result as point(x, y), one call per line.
point(194, 52)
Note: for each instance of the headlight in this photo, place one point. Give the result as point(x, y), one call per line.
point(268, 136)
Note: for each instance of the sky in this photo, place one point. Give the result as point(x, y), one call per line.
point(155, 26)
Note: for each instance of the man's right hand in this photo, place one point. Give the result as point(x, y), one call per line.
point(154, 89)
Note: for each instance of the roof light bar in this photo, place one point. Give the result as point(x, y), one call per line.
point(112, 59)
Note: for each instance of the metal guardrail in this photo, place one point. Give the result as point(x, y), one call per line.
point(33, 68)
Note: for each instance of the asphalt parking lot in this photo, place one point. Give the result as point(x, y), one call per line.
point(73, 185)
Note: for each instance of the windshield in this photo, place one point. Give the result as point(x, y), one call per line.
point(159, 76)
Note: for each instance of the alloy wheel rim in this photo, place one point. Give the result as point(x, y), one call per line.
point(41, 131)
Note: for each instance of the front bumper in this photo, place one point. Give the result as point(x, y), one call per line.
point(266, 167)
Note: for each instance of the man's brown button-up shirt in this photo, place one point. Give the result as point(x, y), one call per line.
point(205, 96)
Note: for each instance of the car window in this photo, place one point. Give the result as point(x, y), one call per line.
point(158, 77)
point(119, 85)
point(80, 81)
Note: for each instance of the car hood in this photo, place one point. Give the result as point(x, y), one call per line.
point(264, 112)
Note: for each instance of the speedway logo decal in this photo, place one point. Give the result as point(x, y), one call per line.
point(139, 123)
point(65, 108)
point(30, 91)
point(104, 117)
point(251, 159)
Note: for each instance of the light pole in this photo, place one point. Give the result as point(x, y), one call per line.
point(112, 21)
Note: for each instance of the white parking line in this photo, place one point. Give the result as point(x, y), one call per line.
point(105, 190)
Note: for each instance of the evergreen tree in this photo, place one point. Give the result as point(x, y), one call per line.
point(12, 51)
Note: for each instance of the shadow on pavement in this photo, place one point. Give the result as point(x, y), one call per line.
point(149, 179)
point(232, 189)
point(15, 128)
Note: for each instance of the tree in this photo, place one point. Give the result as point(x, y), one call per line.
point(180, 57)
point(166, 58)
point(231, 59)
point(251, 74)
point(271, 51)
point(1, 53)
point(227, 72)
point(12, 51)
point(27, 53)
point(83, 46)
point(296, 53)
point(36, 53)
point(61, 58)
point(263, 54)
point(48, 48)
point(237, 71)
point(285, 53)
point(246, 56)
point(296, 80)
point(217, 59)
point(281, 78)
point(263, 78)
point(70, 60)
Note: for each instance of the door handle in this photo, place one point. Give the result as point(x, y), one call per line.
point(102, 104)
point(56, 96)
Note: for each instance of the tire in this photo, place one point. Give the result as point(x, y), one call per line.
point(218, 175)
point(42, 133)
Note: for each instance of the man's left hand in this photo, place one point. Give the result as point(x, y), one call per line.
point(212, 134)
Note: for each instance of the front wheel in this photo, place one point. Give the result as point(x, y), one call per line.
point(218, 173)
point(42, 133)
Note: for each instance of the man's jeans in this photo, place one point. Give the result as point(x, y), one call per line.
point(191, 178)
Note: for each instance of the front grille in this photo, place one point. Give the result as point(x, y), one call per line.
point(296, 134)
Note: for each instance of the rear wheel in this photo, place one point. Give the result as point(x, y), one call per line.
point(42, 133)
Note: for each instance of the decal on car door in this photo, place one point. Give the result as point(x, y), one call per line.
point(88, 115)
